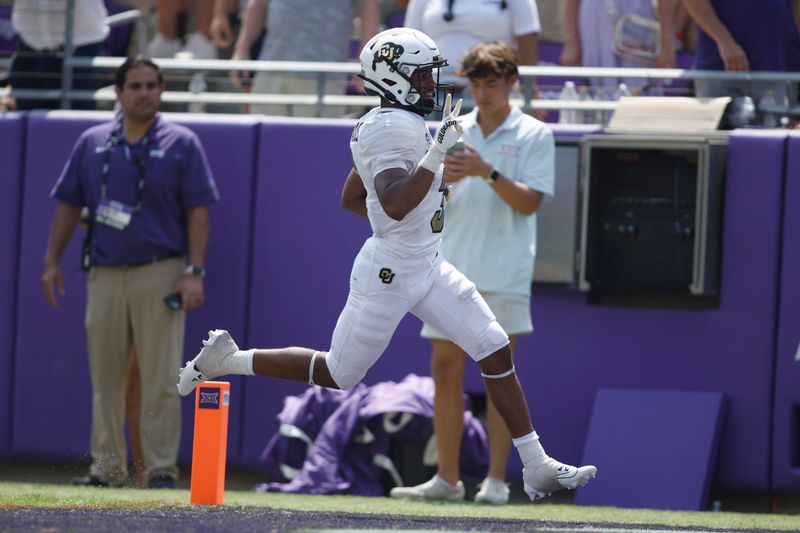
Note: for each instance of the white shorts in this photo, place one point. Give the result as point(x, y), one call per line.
point(513, 312)
point(384, 287)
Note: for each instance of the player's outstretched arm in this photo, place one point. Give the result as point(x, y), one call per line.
point(354, 195)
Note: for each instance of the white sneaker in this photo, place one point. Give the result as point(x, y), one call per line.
point(493, 491)
point(209, 363)
point(434, 489)
point(550, 476)
point(160, 46)
point(199, 47)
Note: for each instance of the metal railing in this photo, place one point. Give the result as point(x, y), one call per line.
point(325, 69)
point(322, 69)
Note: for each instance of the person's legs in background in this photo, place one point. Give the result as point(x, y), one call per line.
point(133, 402)
point(447, 368)
point(108, 336)
point(167, 43)
point(199, 44)
point(158, 333)
point(31, 69)
point(448, 362)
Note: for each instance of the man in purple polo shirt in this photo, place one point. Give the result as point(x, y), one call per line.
point(147, 186)
point(743, 35)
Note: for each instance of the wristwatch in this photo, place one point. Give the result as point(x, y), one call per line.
point(492, 176)
point(194, 270)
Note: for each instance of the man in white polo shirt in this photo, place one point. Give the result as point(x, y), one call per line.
point(499, 180)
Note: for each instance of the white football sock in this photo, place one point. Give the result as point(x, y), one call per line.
point(530, 449)
point(242, 362)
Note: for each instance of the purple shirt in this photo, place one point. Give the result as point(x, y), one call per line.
point(176, 178)
point(759, 26)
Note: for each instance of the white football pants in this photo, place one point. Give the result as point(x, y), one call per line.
point(384, 287)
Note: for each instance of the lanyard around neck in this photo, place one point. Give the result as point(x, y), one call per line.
point(115, 139)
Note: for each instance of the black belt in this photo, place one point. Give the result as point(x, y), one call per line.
point(57, 50)
point(155, 259)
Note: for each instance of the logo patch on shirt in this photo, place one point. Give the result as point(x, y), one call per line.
point(510, 150)
point(157, 152)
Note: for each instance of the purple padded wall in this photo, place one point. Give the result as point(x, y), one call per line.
point(12, 134)
point(52, 396)
point(674, 433)
point(729, 349)
point(786, 442)
point(304, 246)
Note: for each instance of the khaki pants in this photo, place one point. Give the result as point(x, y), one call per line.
point(126, 308)
point(288, 84)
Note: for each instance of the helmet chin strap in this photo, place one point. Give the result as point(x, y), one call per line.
point(422, 106)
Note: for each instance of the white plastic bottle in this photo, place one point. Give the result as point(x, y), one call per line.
point(588, 116)
point(197, 85)
point(765, 107)
point(601, 95)
point(568, 94)
point(621, 91)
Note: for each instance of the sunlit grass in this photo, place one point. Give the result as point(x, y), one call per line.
point(52, 496)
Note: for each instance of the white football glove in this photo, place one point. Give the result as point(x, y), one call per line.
point(446, 136)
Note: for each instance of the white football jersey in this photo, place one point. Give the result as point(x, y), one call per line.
point(394, 138)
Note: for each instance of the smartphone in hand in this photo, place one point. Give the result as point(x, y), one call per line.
point(457, 147)
point(174, 301)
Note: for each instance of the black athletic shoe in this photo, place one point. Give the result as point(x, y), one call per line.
point(88, 481)
point(161, 482)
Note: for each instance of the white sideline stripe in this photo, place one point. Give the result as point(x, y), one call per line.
point(549, 529)
point(642, 529)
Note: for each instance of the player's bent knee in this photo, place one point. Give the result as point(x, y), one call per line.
point(346, 381)
point(498, 365)
point(347, 384)
point(493, 340)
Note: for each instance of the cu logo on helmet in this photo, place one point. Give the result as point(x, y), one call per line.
point(390, 51)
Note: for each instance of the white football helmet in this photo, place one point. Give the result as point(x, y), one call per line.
point(389, 60)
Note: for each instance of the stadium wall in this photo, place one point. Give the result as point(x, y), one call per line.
point(278, 264)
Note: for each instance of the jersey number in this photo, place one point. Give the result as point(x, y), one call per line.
point(437, 222)
point(356, 131)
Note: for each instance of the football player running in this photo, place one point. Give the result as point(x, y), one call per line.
point(397, 183)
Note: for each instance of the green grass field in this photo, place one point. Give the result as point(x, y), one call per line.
point(44, 496)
